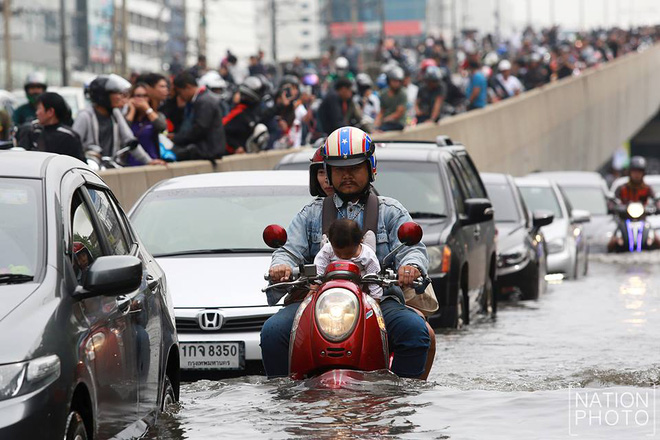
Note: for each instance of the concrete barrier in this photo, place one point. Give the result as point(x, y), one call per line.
point(573, 124)
point(128, 184)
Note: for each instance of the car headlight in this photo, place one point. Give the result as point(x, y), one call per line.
point(439, 258)
point(556, 245)
point(337, 314)
point(513, 256)
point(24, 377)
point(635, 210)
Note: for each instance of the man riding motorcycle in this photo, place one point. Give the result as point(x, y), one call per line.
point(351, 168)
point(635, 191)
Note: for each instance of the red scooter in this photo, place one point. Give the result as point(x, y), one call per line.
point(338, 326)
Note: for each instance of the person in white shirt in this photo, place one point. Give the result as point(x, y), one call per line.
point(511, 84)
point(347, 243)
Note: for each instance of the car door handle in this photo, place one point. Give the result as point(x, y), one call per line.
point(477, 232)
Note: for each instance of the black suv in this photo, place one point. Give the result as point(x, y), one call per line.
point(441, 188)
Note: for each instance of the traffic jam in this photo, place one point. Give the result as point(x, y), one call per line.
point(353, 257)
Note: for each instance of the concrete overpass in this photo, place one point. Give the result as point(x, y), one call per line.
point(573, 124)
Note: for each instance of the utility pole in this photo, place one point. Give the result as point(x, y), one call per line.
point(498, 21)
point(273, 29)
point(381, 11)
point(124, 39)
point(354, 18)
point(454, 26)
point(6, 12)
point(202, 41)
point(529, 13)
point(552, 13)
point(63, 53)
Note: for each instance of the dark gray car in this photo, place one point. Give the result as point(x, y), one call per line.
point(89, 348)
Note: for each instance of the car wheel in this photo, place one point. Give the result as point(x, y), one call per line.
point(169, 398)
point(451, 316)
point(532, 289)
point(576, 269)
point(75, 427)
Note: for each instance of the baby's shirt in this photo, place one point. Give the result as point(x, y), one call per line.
point(367, 261)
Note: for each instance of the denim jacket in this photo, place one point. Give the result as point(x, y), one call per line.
point(305, 232)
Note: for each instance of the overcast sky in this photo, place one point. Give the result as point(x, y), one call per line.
point(480, 13)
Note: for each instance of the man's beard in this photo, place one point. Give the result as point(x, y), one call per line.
point(353, 196)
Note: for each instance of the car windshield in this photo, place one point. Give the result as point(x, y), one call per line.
point(213, 219)
point(21, 227)
point(591, 199)
point(417, 185)
point(503, 202)
point(398, 179)
point(541, 198)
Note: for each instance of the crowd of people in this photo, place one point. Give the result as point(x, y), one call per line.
point(202, 113)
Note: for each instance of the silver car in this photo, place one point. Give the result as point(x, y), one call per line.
point(587, 191)
point(206, 233)
point(567, 244)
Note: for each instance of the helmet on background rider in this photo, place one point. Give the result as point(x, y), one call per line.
point(364, 82)
point(35, 79)
point(395, 74)
point(341, 65)
point(251, 90)
point(433, 74)
point(102, 86)
point(316, 164)
point(426, 63)
point(638, 163)
point(213, 81)
point(349, 146)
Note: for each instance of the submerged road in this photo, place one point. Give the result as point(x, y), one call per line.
point(580, 362)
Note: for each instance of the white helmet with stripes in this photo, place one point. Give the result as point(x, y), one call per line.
point(349, 146)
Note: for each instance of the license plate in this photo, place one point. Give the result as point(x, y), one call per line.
point(212, 355)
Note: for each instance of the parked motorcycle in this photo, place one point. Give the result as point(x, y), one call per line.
point(338, 326)
point(633, 233)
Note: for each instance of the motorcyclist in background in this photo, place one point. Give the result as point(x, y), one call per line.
point(215, 83)
point(102, 128)
point(431, 96)
point(244, 116)
point(35, 85)
point(635, 190)
point(366, 98)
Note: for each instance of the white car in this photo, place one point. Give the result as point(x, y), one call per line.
point(205, 231)
point(567, 246)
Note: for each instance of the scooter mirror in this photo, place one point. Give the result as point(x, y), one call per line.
point(410, 233)
point(275, 236)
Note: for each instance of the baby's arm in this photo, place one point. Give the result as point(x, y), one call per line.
point(322, 259)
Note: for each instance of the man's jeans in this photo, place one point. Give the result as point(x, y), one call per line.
point(407, 335)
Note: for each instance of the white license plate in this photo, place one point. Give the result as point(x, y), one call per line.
point(212, 355)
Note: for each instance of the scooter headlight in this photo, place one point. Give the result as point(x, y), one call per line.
point(337, 314)
point(635, 210)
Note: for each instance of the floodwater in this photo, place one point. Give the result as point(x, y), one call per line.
point(581, 362)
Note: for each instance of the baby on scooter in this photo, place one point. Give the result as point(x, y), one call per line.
point(347, 243)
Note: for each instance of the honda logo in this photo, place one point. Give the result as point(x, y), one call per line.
point(210, 320)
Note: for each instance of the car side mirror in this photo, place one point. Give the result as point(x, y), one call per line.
point(580, 216)
point(410, 233)
point(112, 275)
point(274, 236)
point(542, 218)
point(477, 211)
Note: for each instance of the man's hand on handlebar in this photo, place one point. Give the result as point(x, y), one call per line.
point(408, 274)
point(280, 273)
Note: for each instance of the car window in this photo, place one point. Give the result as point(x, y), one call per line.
point(208, 219)
point(417, 185)
point(541, 198)
point(591, 199)
point(110, 224)
point(456, 189)
point(86, 244)
point(525, 209)
point(471, 177)
point(21, 226)
point(504, 202)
